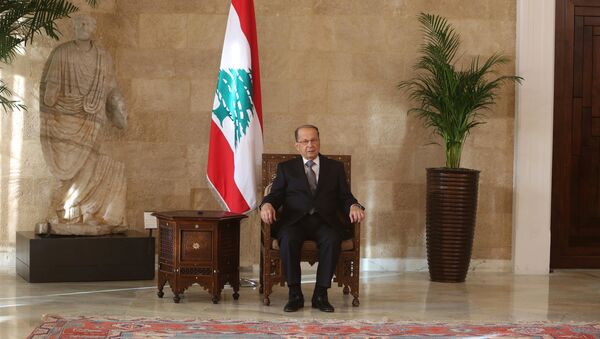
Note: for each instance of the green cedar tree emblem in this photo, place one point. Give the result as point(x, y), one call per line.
point(234, 93)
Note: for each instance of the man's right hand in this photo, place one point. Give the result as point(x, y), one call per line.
point(268, 214)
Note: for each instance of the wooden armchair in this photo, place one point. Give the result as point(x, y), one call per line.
point(271, 273)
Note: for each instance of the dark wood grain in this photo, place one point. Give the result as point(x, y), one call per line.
point(587, 10)
point(199, 248)
point(578, 57)
point(575, 216)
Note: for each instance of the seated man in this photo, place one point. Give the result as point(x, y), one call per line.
point(311, 190)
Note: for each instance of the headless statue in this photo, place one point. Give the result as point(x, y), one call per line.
point(78, 94)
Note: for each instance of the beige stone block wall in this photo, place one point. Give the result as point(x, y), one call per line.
point(335, 64)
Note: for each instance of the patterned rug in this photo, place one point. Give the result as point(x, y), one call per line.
point(93, 327)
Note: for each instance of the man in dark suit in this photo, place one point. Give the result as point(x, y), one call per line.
point(311, 190)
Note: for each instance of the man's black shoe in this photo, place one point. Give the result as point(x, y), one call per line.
point(322, 303)
point(295, 302)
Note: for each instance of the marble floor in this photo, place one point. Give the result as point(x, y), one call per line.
point(563, 296)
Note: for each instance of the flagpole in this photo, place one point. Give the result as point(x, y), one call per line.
point(236, 130)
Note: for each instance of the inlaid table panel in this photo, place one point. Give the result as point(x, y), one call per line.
point(199, 247)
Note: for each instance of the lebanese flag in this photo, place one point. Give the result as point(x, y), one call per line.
point(236, 140)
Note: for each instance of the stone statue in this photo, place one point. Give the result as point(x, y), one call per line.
point(78, 93)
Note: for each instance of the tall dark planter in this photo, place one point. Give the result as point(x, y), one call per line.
point(451, 211)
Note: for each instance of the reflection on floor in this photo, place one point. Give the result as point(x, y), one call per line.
point(499, 297)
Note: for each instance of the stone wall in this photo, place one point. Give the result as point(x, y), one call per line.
point(331, 63)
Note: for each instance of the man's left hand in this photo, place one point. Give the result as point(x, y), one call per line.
point(356, 214)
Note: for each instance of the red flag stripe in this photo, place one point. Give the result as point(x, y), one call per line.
point(245, 11)
point(221, 170)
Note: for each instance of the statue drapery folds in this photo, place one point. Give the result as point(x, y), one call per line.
point(78, 94)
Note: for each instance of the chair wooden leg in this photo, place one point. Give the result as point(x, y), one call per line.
point(260, 273)
point(355, 281)
point(267, 289)
point(266, 277)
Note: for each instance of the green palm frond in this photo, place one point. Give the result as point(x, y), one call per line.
point(21, 21)
point(7, 104)
point(44, 16)
point(9, 45)
point(452, 101)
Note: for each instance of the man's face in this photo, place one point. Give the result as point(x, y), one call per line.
point(308, 143)
point(84, 27)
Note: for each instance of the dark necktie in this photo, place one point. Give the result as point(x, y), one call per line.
point(312, 177)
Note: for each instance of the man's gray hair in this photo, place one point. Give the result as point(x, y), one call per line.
point(305, 126)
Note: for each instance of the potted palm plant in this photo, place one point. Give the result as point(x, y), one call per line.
point(452, 100)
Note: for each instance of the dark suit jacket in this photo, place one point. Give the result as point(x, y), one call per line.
point(291, 191)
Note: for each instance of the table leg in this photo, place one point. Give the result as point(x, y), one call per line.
point(161, 284)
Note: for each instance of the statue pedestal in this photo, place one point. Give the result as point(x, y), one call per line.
point(54, 258)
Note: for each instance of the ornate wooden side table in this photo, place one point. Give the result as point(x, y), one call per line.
point(200, 247)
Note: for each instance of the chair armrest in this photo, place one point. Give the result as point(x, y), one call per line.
point(267, 229)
